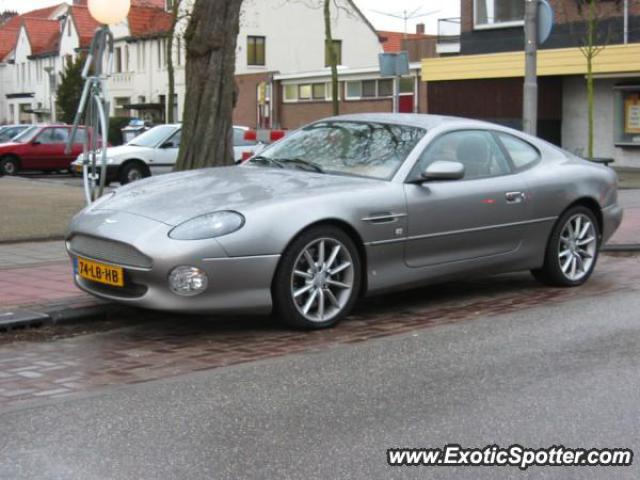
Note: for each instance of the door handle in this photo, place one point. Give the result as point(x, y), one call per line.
point(515, 197)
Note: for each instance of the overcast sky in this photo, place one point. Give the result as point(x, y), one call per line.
point(370, 8)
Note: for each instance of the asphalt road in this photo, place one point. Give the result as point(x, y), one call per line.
point(564, 374)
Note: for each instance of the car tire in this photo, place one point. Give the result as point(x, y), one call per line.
point(132, 172)
point(312, 271)
point(9, 166)
point(572, 250)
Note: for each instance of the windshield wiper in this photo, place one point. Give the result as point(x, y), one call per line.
point(299, 162)
point(266, 160)
point(282, 162)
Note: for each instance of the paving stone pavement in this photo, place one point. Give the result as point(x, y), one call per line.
point(169, 345)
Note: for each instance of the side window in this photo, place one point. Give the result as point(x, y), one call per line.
point(175, 139)
point(46, 137)
point(522, 154)
point(475, 149)
point(239, 140)
point(81, 135)
point(60, 135)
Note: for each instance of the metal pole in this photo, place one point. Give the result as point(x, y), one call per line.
point(626, 21)
point(530, 93)
point(396, 94)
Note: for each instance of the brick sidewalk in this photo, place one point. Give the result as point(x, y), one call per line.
point(37, 276)
point(164, 346)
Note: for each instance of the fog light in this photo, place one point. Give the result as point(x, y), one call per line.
point(188, 281)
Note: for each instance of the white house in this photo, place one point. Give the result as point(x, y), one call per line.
point(276, 37)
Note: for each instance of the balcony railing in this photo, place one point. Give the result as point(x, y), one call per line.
point(448, 36)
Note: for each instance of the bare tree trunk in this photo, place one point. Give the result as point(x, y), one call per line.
point(211, 38)
point(590, 102)
point(175, 9)
point(333, 61)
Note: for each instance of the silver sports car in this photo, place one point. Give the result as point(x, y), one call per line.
point(345, 207)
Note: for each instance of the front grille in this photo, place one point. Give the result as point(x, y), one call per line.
point(108, 251)
point(130, 290)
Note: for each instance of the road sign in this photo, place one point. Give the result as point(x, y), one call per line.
point(394, 64)
point(545, 21)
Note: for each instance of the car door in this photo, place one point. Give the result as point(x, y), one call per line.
point(482, 215)
point(163, 158)
point(40, 153)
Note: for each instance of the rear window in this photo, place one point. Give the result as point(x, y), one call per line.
point(522, 153)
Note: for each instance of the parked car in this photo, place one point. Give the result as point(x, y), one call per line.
point(348, 206)
point(41, 148)
point(8, 132)
point(155, 152)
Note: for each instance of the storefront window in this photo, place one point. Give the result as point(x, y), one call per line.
point(627, 115)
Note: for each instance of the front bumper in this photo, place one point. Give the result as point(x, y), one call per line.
point(236, 284)
point(611, 219)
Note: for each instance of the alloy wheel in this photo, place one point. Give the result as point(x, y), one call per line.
point(577, 247)
point(322, 279)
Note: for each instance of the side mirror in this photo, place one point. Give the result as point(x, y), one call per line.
point(35, 142)
point(168, 145)
point(442, 170)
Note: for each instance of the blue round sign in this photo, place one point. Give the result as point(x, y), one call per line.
point(545, 21)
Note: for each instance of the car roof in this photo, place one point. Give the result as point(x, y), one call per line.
point(426, 121)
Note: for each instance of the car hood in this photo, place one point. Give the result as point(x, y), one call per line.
point(177, 197)
point(126, 150)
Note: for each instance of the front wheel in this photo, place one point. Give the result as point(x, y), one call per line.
point(572, 251)
point(9, 166)
point(132, 172)
point(318, 279)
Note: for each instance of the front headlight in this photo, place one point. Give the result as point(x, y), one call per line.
point(211, 225)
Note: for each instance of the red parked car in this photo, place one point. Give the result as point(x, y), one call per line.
point(40, 147)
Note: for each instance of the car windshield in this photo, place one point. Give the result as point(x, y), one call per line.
point(152, 138)
point(366, 149)
point(27, 135)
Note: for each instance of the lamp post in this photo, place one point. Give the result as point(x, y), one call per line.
point(94, 103)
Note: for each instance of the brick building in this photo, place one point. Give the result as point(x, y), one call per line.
point(486, 79)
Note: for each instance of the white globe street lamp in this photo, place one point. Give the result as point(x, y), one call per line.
point(94, 104)
point(109, 12)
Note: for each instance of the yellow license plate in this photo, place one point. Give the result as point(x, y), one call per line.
point(101, 273)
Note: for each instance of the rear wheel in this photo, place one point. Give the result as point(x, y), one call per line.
point(318, 279)
point(572, 251)
point(132, 172)
point(9, 166)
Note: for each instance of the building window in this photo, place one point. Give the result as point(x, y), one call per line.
point(119, 109)
point(385, 88)
point(407, 85)
point(337, 48)
point(304, 92)
point(290, 93)
point(354, 90)
point(627, 116)
point(256, 47)
point(319, 91)
point(117, 60)
point(369, 88)
point(126, 58)
point(498, 13)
